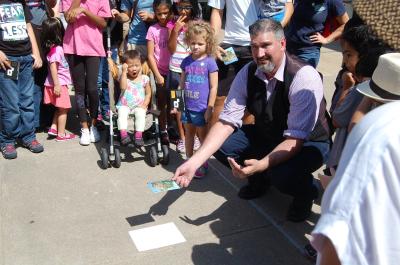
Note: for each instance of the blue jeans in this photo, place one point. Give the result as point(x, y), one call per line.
point(17, 107)
point(102, 82)
point(310, 56)
point(293, 177)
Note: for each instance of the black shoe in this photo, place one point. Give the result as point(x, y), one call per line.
point(164, 138)
point(250, 192)
point(300, 209)
point(34, 146)
point(139, 142)
point(125, 140)
point(310, 252)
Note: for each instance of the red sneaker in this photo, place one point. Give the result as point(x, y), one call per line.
point(66, 137)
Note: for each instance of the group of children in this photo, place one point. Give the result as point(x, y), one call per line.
point(361, 51)
point(180, 54)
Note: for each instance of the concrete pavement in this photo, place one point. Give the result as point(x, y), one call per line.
point(59, 207)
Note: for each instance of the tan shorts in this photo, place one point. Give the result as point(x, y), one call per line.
point(140, 48)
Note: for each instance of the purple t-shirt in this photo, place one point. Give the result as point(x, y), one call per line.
point(197, 83)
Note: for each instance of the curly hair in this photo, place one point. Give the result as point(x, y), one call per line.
point(197, 27)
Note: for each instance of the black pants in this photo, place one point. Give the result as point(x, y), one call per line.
point(227, 73)
point(84, 71)
point(293, 177)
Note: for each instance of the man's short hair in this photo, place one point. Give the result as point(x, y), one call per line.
point(267, 25)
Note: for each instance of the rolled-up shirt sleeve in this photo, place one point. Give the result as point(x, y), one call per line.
point(305, 95)
point(235, 102)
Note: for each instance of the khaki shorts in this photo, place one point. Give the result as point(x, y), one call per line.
point(140, 48)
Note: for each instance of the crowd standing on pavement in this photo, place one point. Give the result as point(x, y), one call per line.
point(263, 114)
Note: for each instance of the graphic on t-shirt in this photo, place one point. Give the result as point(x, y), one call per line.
point(12, 22)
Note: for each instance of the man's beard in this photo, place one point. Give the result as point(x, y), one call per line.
point(266, 68)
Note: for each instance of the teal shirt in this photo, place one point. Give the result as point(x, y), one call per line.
point(138, 28)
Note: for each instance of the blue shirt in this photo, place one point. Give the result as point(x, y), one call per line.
point(137, 28)
point(308, 18)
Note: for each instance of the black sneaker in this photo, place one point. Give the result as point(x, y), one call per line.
point(310, 252)
point(126, 140)
point(34, 146)
point(164, 138)
point(300, 209)
point(139, 142)
point(250, 192)
point(9, 151)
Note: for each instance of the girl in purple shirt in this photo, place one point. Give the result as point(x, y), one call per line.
point(199, 79)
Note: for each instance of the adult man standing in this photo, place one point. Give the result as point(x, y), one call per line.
point(239, 16)
point(290, 136)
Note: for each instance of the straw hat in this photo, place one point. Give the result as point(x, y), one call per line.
point(384, 18)
point(384, 85)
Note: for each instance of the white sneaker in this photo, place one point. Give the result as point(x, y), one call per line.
point(94, 134)
point(85, 137)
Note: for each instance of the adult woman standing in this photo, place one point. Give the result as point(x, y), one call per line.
point(304, 32)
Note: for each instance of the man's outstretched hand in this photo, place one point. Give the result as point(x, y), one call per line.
point(184, 174)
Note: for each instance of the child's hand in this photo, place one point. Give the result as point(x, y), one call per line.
point(208, 114)
point(124, 68)
point(74, 13)
point(160, 80)
point(179, 24)
point(4, 62)
point(174, 111)
point(57, 90)
point(348, 80)
point(144, 106)
point(114, 12)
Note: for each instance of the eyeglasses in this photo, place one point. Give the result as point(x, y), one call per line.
point(186, 8)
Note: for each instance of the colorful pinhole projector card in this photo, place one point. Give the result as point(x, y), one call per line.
point(163, 185)
point(229, 56)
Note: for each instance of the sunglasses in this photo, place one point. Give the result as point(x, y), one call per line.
point(186, 8)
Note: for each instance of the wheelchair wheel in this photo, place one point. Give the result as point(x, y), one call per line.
point(152, 153)
point(117, 161)
point(165, 158)
point(104, 158)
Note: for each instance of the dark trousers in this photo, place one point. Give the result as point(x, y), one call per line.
point(43, 113)
point(84, 71)
point(226, 73)
point(293, 177)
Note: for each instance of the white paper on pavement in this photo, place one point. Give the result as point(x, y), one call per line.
point(156, 236)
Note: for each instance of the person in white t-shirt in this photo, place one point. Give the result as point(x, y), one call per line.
point(240, 14)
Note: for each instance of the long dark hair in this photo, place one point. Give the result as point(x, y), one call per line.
point(168, 3)
point(52, 33)
point(195, 8)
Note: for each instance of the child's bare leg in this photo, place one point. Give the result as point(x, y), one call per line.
point(54, 122)
point(202, 133)
point(181, 131)
point(61, 120)
point(190, 131)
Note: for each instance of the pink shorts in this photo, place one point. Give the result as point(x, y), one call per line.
point(61, 101)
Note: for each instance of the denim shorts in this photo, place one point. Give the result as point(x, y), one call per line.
point(193, 117)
